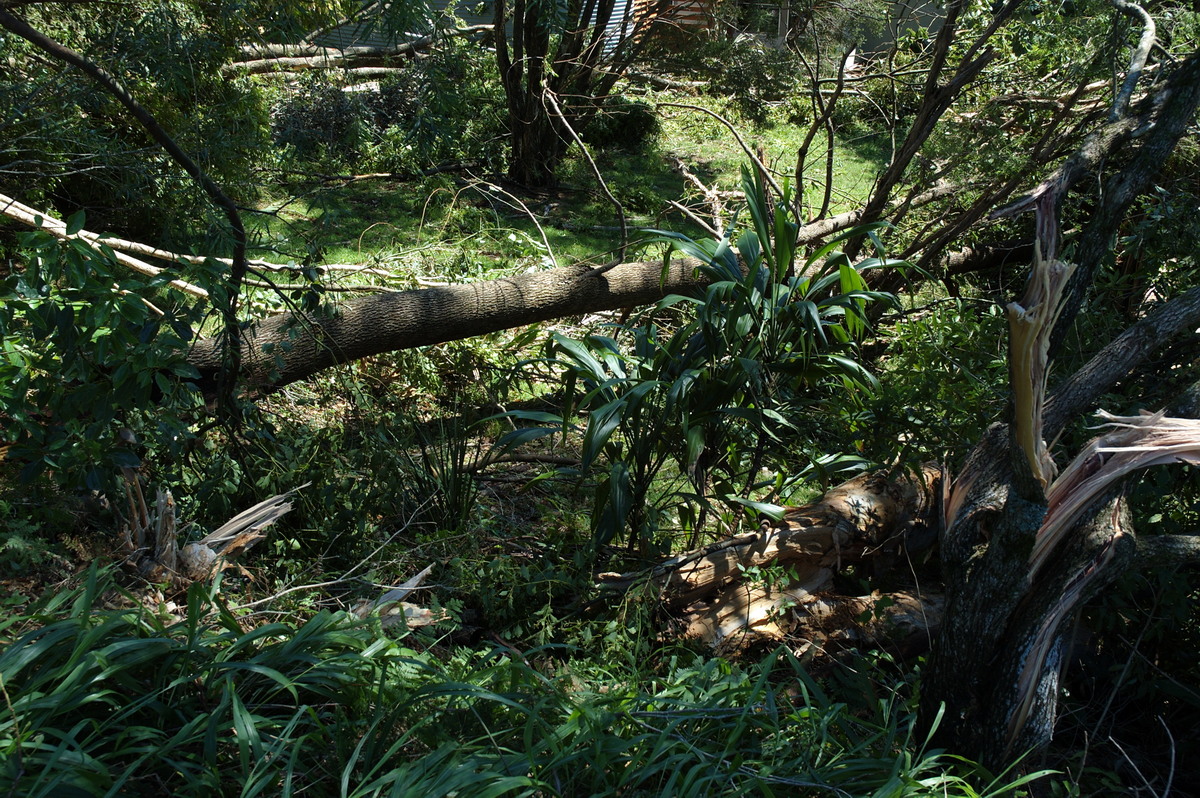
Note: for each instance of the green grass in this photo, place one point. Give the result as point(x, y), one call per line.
point(704, 142)
point(457, 229)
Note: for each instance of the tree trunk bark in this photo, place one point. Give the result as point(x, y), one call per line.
point(991, 685)
point(283, 349)
point(537, 148)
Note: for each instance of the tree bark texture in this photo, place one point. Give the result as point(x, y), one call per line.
point(997, 659)
point(282, 349)
point(996, 664)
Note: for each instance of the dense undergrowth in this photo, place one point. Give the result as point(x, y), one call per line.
point(264, 684)
point(105, 699)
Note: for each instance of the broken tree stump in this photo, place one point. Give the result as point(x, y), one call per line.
point(793, 562)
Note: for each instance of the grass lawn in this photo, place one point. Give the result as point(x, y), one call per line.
point(465, 227)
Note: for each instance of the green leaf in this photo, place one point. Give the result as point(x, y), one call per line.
point(581, 357)
point(750, 248)
point(75, 222)
point(538, 416)
point(124, 458)
point(772, 511)
point(695, 446)
point(617, 502)
point(674, 299)
point(517, 438)
point(602, 422)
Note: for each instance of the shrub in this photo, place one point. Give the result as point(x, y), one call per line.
point(755, 77)
point(621, 122)
point(90, 350)
point(319, 118)
point(130, 702)
point(127, 702)
point(677, 417)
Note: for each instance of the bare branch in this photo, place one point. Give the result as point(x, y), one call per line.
point(123, 251)
point(737, 137)
point(1137, 60)
point(938, 97)
point(57, 228)
point(1123, 354)
point(616, 203)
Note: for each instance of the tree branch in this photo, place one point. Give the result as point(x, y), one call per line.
point(114, 87)
point(1122, 355)
point(1167, 551)
point(937, 99)
point(1156, 126)
point(57, 228)
point(274, 57)
point(284, 349)
point(1137, 60)
point(737, 137)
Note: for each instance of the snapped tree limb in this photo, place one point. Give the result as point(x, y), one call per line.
point(868, 516)
point(282, 349)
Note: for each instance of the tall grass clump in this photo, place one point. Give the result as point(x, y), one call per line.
point(130, 701)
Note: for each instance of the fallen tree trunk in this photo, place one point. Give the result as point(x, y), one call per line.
point(267, 58)
point(283, 349)
point(793, 560)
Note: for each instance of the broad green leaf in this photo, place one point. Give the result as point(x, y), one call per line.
point(538, 416)
point(695, 446)
point(581, 356)
point(602, 423)
point(515, 439)
point(75, 222)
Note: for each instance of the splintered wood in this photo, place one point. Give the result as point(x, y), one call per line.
point(776, 581)
point(149, 539)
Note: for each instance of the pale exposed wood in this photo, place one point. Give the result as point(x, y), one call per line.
point(743, 612)
point(150, 541)
point(806, 611)
point(862, 518)
point(857, 518)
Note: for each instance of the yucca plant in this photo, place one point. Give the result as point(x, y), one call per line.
point(687, 418)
